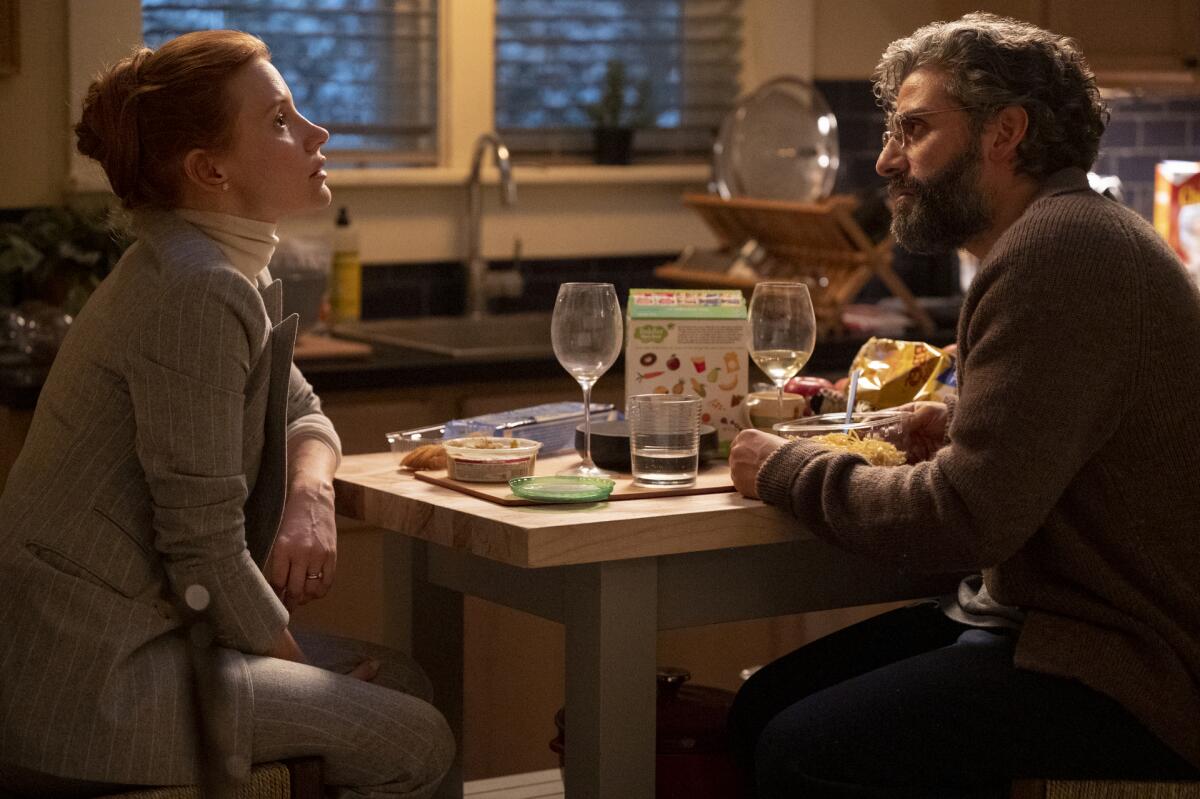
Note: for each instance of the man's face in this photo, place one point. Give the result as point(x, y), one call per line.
point(934, 179)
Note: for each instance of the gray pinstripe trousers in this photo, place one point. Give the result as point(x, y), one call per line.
point(378, 740)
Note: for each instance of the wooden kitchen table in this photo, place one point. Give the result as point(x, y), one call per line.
point(614, 573)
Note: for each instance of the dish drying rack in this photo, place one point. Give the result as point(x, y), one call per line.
point(819, 244)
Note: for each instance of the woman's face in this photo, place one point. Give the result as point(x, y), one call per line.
point(274, 164)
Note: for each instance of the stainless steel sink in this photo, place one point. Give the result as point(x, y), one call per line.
point(497, 337)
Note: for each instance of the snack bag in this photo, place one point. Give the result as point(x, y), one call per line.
point(1177, 210)
point(895, 372)
point(942, 383)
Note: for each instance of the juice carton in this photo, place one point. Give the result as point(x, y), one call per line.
point(1177, 210)
point(690, 341)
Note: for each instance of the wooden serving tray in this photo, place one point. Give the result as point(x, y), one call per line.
point(712, 479)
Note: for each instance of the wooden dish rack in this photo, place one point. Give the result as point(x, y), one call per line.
point(819, 244)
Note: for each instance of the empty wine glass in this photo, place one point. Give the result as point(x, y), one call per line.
point(783, 330)
point(586, 332)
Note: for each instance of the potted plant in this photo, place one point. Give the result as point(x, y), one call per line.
point(622, 108)
point(57, 256)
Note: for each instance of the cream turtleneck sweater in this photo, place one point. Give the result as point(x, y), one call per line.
point(249, 245)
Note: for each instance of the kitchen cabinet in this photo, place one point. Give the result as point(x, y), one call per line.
point(1128, 44)
point(1121, 40)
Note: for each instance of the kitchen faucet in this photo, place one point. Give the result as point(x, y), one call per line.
point(476, 266)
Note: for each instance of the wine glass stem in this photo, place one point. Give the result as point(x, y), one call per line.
point(587, 422)
point(779, 385)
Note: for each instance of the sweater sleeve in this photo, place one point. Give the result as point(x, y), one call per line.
point(304, 416)
point(187, 378)
point(1050, 339)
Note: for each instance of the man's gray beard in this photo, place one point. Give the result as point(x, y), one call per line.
point(945, 211)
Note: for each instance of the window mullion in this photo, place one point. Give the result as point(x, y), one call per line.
point(467, 79)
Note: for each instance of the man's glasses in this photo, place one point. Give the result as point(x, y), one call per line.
point(900, 127)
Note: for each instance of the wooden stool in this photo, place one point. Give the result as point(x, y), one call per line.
point(1103, 789)
point(289, 779)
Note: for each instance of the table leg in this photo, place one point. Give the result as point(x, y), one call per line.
point(397, 591)
point(437, 637)
point(611, 616)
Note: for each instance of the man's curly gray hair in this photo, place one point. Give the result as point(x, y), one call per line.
point(992, 62)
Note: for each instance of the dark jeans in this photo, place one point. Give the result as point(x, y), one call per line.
point(913, 704)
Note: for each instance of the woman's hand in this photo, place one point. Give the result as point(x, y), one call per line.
point(749, 451)
point(365, 671)
point(924, 432)
point(286, 648)
point(304, 557)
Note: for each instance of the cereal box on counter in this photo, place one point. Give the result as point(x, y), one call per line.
point(1177, 210)
point(689, 341)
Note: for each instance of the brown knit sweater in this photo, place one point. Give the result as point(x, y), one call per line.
point(1072, 476)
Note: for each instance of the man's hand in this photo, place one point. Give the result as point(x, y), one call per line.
point(924, 432)
point(749, 452)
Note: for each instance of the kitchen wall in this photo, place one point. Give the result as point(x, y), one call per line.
point(416, 217)
point(33, 167)
point(565, 214)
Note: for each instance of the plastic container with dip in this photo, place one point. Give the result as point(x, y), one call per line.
point(490, 459)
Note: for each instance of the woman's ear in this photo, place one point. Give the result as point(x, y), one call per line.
point(203, 172)
point(1008, 127)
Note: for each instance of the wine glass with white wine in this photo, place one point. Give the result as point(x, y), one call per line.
point(783, 330)
point(586, 332)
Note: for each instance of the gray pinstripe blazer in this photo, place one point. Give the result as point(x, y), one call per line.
point(155, 461)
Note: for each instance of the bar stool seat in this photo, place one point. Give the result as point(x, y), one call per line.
point(1103, 789)
point(288, 779)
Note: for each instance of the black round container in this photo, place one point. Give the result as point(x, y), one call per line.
point(610, 444)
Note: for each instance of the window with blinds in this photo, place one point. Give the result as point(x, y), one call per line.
point(364, 69)
point(551, 58)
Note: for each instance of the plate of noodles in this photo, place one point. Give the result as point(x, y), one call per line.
point(874, 435)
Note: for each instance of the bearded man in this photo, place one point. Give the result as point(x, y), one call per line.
point(1067, 472)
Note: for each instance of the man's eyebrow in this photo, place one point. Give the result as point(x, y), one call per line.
point(920, 109)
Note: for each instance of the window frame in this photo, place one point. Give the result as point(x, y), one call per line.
point(100, 33)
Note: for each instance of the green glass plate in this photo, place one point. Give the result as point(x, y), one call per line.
point(562, 489)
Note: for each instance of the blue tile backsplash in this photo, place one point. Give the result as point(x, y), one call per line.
point(1142, 132)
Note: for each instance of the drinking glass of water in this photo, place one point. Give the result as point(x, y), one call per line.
point(586, 332)
point(664, 438)
point(783, 330)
